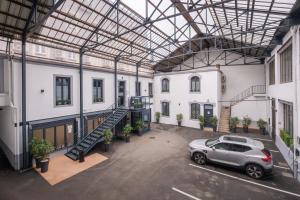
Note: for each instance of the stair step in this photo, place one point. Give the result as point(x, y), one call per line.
point(72, 156)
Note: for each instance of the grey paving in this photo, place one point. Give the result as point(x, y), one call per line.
point(148, 168)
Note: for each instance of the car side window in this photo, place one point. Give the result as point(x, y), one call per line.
point(222, 146)
point(239, 148)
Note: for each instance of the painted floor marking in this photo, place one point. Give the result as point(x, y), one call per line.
point(185, 194)
point(247, 181)
point(281, 167)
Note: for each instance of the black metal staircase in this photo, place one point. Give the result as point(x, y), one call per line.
point(96, 136)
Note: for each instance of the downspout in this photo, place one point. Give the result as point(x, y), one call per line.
point(297, 40)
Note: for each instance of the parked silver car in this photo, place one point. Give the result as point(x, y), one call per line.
point(236, 151)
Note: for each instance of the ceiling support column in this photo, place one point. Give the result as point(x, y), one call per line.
point(81, 52)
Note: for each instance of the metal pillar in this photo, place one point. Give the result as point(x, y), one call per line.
point(81, 52)
point(115, 81)
point(137, 79)
point(24, 127)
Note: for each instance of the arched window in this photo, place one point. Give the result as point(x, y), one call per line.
point(165, 85)
point(195, 84)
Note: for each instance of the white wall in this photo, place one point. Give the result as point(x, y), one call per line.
point(180, 96)
point(240, 78)
point(289, 92)
point(9, 140)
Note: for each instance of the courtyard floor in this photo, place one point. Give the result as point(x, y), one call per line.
point(155, 166)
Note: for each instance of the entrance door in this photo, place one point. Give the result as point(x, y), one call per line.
point(273, 120)
point(208, 113)
point(121, 93)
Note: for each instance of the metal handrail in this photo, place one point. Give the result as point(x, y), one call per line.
point(255, 89)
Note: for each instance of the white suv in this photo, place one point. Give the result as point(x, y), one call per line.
point(241, 152)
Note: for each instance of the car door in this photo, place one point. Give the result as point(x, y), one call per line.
point(237, 155)
point(218, 152)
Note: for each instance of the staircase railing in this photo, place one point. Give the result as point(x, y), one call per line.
point(255, 89)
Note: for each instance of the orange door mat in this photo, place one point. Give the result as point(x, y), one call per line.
point(61, 167)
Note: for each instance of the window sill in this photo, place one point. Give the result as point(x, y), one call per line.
point(165, 92)
point(65, 105)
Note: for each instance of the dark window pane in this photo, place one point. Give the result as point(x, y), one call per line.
point(222, 146)
point(97, 90)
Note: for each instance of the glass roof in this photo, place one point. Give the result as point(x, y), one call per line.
point(149, 31)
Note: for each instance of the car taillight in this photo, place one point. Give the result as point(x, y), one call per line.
point(268, 157)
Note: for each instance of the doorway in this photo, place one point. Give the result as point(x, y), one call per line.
point(121, 93)
point(208, 113)
point(273, 119)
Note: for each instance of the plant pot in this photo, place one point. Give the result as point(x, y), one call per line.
point(157, 120)
point(245, 129)
point(263, 131)
point(37, 162)
point(44, 165)
point(201, 127)
point(215, 128)
point(179, 123)
point(106, 147)
point(233, 129)
point(127, 139)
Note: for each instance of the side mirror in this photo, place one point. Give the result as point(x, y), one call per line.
point(213, 148)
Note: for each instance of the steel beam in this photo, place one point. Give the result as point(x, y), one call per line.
point(116, 80)
point(81, 93)
point(137, 79)
point(24, 108)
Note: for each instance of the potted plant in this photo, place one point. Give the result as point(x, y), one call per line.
point(262, 126)
point(246, 122)
point(286, 137)
point(233, 122)
point(44, 148)
point(201, 121)
point(34, 147)
point(157, 116)
point(139, 126)
point(126, 132)
point(107, 134)
point(179, 118)
point(214, 121)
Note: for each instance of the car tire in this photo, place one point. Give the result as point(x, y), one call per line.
point(254, 171)
point(199, 158)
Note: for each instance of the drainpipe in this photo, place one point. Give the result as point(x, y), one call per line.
point(295, 109)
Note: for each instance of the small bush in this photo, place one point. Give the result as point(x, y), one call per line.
point(179, 117)
point(201, 120)
point(213, 121)
point(139, 125)
point(233, 122)
point(127, 130)
point(246, 121)
point(157, 115)
point(107, 136)
point(261, 123)
point(286, 138)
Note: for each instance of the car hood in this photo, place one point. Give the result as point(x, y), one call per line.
point(198, 143)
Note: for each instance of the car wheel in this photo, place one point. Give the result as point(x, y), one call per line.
point(254, 171)
point(199, 158)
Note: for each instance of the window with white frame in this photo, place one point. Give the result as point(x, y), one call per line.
point(288, 118)
point(71, 55)
point(63, 91)
point(150, 89)
point(286, 65)
point(165, 85)
point(39, 49)
point(165, 108)
point(97, 90)
point(195, 110)
point(195, 84)
point(272, 72)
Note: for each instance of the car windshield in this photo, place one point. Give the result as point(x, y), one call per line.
point(211, 142)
